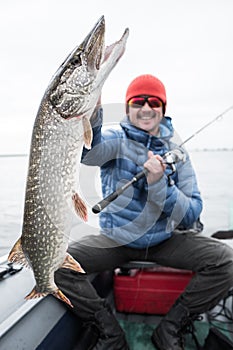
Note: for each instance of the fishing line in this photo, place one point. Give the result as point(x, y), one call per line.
point(206, 125)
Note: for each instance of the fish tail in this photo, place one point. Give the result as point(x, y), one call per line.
point(34, 294)
point(57, 293)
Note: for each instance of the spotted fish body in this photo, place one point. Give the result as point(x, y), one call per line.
point(60, 130)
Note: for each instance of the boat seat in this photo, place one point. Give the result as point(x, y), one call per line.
point(140, 264)
point(146, 287)
point(137, 264)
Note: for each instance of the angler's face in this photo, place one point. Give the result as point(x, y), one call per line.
point(146, 113)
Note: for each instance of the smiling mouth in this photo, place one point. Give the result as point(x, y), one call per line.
point(146, 118)
point(146, 115)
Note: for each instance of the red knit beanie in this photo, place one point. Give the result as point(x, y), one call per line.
point(147, 85)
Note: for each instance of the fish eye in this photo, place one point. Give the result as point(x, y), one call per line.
point(76, 61)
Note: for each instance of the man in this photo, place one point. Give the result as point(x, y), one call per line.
point(141, 224)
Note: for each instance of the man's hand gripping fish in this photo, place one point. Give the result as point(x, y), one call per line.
point(60, 130)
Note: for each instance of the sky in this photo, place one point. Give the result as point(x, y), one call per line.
point(188, 44)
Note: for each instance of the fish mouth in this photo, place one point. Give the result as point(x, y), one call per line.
point(93, 45)
point(89, 53)
point(76, 86)
point(96, 54)
point(94, 50)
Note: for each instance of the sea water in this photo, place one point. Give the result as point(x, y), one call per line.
point(214, 171)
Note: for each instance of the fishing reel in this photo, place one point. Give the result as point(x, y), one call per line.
point(170, 159)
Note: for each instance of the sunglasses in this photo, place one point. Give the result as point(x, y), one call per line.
point(138, 102)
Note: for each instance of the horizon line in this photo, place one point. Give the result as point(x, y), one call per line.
point(205, 149)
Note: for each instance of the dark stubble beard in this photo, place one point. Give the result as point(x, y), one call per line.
point(148, 115)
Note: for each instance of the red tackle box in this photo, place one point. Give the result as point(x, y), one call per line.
point(151, 291)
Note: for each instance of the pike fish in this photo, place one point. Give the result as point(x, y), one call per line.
point(60, 130)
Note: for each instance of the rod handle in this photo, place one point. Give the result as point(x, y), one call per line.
point(97, 208)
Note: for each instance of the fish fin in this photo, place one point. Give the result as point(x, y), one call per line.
point(87, 132)
point(16, 254)
point(35, 294)
point(71, 263)
point(80, 207)
point(57, 293)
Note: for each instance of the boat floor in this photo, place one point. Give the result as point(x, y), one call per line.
point(139, 328)
point(47, 324)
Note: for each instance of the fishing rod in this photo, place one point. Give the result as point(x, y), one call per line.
point(170, 158)
point(206, 125)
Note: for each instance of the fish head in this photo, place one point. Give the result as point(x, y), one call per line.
point(76, 86)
